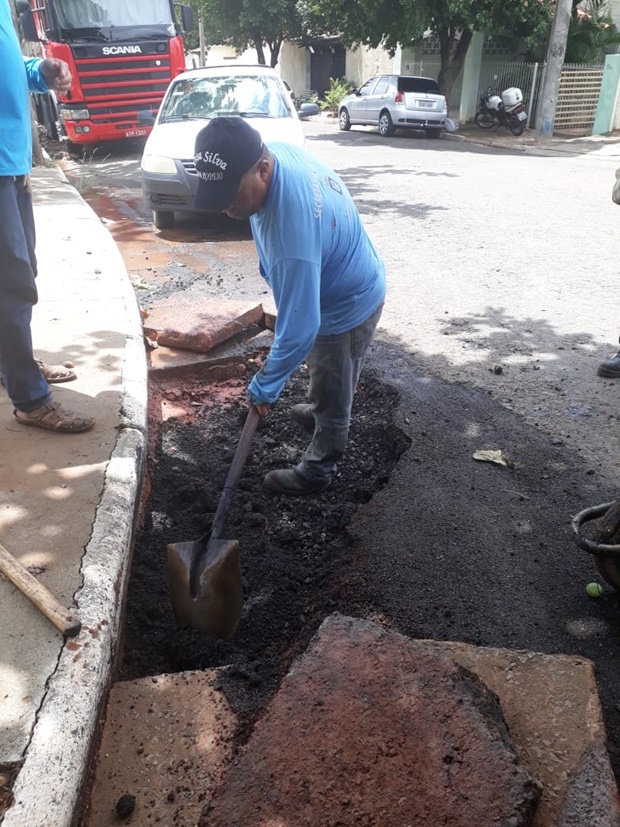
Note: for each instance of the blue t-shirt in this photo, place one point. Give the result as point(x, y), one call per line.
point(324, 271)
point(21, 74)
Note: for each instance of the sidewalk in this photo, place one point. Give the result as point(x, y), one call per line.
point(67, 508)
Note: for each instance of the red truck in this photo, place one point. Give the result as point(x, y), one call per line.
point(122, 55)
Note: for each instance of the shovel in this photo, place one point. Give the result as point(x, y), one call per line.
point(205, 574)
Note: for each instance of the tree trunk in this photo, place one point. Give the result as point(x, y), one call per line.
point(274, 48)
point(258, 45)
point(453, 54)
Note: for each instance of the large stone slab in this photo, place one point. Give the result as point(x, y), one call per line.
point(189, 321)
point(166, 741)
point(371, 728)
point(552, 710)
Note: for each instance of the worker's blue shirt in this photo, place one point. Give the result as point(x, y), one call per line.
point(324, 271)
point(20, 75)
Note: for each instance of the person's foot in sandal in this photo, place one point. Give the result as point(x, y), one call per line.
point(53, 417)
point(55, 374)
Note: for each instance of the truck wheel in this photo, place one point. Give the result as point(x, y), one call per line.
point(163, 219)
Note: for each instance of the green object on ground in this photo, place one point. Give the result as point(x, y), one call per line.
point(594, 590)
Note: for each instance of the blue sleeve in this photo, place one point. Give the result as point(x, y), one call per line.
point(296, 290)
point(36, 83)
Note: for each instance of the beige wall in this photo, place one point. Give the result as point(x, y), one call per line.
point(294, 67)
point(363, 63)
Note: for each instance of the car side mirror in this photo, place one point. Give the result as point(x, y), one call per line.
point(357, 92)
point(307, 110)
point(146, 117)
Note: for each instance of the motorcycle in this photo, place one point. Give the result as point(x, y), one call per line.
point(507, 110)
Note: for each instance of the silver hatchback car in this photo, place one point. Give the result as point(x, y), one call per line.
point(393, 102)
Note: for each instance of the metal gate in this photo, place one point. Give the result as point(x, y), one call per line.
point(578, 95)
point(580, 88)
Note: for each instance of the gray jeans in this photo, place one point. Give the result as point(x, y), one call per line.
point(335, 363)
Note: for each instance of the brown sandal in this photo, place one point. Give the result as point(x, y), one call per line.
point(53, 417)
point(55, 374)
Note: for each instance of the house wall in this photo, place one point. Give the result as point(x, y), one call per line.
point(363, 63)
point(614, 11)
point(294, 67)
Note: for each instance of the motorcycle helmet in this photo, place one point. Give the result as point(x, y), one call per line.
point(494, 102)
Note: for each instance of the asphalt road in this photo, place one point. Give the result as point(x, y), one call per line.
point(503, 295)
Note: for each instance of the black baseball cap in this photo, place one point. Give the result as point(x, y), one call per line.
point(226, 148)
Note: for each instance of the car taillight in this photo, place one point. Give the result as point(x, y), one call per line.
point(400, 97)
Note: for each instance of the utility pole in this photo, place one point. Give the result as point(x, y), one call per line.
point(555, 60)
point(201, 40)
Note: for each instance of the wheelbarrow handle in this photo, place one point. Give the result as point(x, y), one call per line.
point(234, 473)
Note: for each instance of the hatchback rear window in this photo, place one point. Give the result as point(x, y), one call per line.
point(419, 85)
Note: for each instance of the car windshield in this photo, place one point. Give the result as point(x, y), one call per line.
point(419, 85)
point(207, 97)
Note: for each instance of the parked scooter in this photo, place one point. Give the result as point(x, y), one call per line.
point(507, 110)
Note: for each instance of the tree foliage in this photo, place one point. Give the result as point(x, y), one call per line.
point(389, 23)
point(592, 33)
point(257, 24)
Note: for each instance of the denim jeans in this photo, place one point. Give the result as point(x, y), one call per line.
point(335, 363)
point(22, 377)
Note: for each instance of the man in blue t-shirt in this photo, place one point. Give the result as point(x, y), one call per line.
point(327, 280)
point(26, 379)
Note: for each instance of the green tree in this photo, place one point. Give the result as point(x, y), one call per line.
point(257, 24)
point(389, 23)
point(592, 33)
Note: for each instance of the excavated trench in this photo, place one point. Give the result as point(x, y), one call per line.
point(299, 562)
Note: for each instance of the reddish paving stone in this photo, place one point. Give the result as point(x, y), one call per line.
point(370, 728)
point(188, 321)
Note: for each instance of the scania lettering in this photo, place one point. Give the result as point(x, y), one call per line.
point(122, 56)
point(122, 50)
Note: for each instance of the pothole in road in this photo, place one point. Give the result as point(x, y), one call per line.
point(298, 561)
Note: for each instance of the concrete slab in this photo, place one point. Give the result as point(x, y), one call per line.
point(187, 321)
point(166, 741)
point(222, 362)
point(553, 713)
point(371, 728)
point(154, 738)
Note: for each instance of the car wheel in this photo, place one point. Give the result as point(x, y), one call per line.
point(344, 121)
point(433, 133)
point(386, 127)
point(163, 219)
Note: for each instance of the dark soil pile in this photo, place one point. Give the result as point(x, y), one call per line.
point(298, 560)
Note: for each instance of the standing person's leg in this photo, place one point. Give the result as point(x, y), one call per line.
point(21, 374)
point(335, 363)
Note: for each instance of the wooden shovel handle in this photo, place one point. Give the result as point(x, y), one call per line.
point(241, 454)
point(43, 599)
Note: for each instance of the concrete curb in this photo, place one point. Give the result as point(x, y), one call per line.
point(49, 785)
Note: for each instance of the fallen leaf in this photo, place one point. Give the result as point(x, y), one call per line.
point(492, 456)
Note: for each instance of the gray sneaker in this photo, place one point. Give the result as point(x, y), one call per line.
point(302, 413)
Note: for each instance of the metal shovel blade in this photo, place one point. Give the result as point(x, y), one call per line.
point(207, 593)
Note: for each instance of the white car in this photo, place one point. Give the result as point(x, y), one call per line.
point(256, 93)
